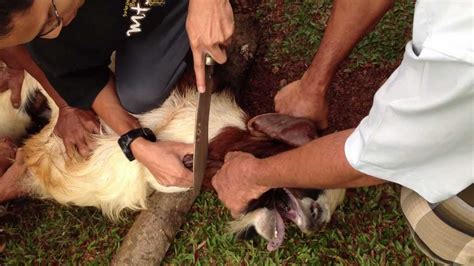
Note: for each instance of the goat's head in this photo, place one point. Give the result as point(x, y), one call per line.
point(267, 135)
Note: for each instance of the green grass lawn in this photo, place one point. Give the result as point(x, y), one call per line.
point(368, 229)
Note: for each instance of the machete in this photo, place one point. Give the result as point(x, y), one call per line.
point(201, 129)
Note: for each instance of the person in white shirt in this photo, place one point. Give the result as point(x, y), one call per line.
point(419, 132)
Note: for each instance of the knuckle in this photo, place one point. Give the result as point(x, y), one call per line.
point(165, 182)
point(194, 44)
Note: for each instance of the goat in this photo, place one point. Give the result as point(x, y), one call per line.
point(108, 181)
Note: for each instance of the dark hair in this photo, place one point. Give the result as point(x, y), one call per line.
point(7, 9)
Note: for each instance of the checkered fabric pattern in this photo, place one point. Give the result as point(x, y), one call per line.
point(443, 231)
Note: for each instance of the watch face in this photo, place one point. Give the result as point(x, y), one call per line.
point(124, 143)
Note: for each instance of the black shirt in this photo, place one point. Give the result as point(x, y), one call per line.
point(76, 63)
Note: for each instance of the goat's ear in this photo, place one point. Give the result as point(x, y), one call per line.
point(247, 234)
point(294, 131)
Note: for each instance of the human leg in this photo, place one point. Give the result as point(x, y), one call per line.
point(148, 67)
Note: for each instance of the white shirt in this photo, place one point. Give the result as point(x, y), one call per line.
point(420, 130)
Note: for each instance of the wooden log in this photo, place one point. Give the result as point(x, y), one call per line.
point(154, 230)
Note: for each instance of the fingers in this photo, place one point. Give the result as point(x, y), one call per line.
point(70, 147)
point(16, 83)
point(15, 96)
point(323, 124)
point(235, 214)
point(199, 70)
point(76, 142)
point(92, 126)
point(3, 83)
point(279, 103)
point(188, 180)
point(218, 53)
point(232, 155)
point(184, 178)
point(19, 158)
point(210, 28)
point(83, 147)
point(188, 160)
point(228, 200)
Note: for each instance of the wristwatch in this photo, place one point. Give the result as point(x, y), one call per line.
point(126, 139)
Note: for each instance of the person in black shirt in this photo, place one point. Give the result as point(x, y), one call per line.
point(68, 49)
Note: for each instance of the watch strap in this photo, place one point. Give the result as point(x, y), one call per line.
point(126, 140)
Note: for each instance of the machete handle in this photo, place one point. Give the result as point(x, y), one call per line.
point(209, 61)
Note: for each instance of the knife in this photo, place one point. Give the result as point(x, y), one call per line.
point(201, 128)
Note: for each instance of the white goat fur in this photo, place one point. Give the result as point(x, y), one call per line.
point(107, 180)
point(13, 121)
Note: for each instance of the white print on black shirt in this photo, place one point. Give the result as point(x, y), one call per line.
point(140, 14)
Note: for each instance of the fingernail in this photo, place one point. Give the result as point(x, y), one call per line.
point(202, 89)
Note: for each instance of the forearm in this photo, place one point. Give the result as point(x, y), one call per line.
point(319, 164)
point(107, 106)
point(349, 22)
point(19, 57)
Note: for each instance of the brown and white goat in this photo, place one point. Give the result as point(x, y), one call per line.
point(108, 181)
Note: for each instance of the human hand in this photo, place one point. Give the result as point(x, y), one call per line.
point(164, 159)
point(210, 25)
point(18, 167)
point(10, 179)
point(292, 100)
point(11, 78)
point(75, 126)
point(7, 154)
point(11, 159)
point(235, 183)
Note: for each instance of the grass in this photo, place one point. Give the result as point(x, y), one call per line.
point(300, 31)
point(368, 229)
point(44, 232)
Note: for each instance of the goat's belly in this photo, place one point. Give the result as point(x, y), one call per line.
point(107, 180)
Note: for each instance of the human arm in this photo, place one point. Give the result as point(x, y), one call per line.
point(319, 164)
point(18, 58)
point(74, 125)
point(349, 22)
point(162, 158)
point(12, 79)
point(210, 25)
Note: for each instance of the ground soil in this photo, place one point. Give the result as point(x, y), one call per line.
point(350, 95)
